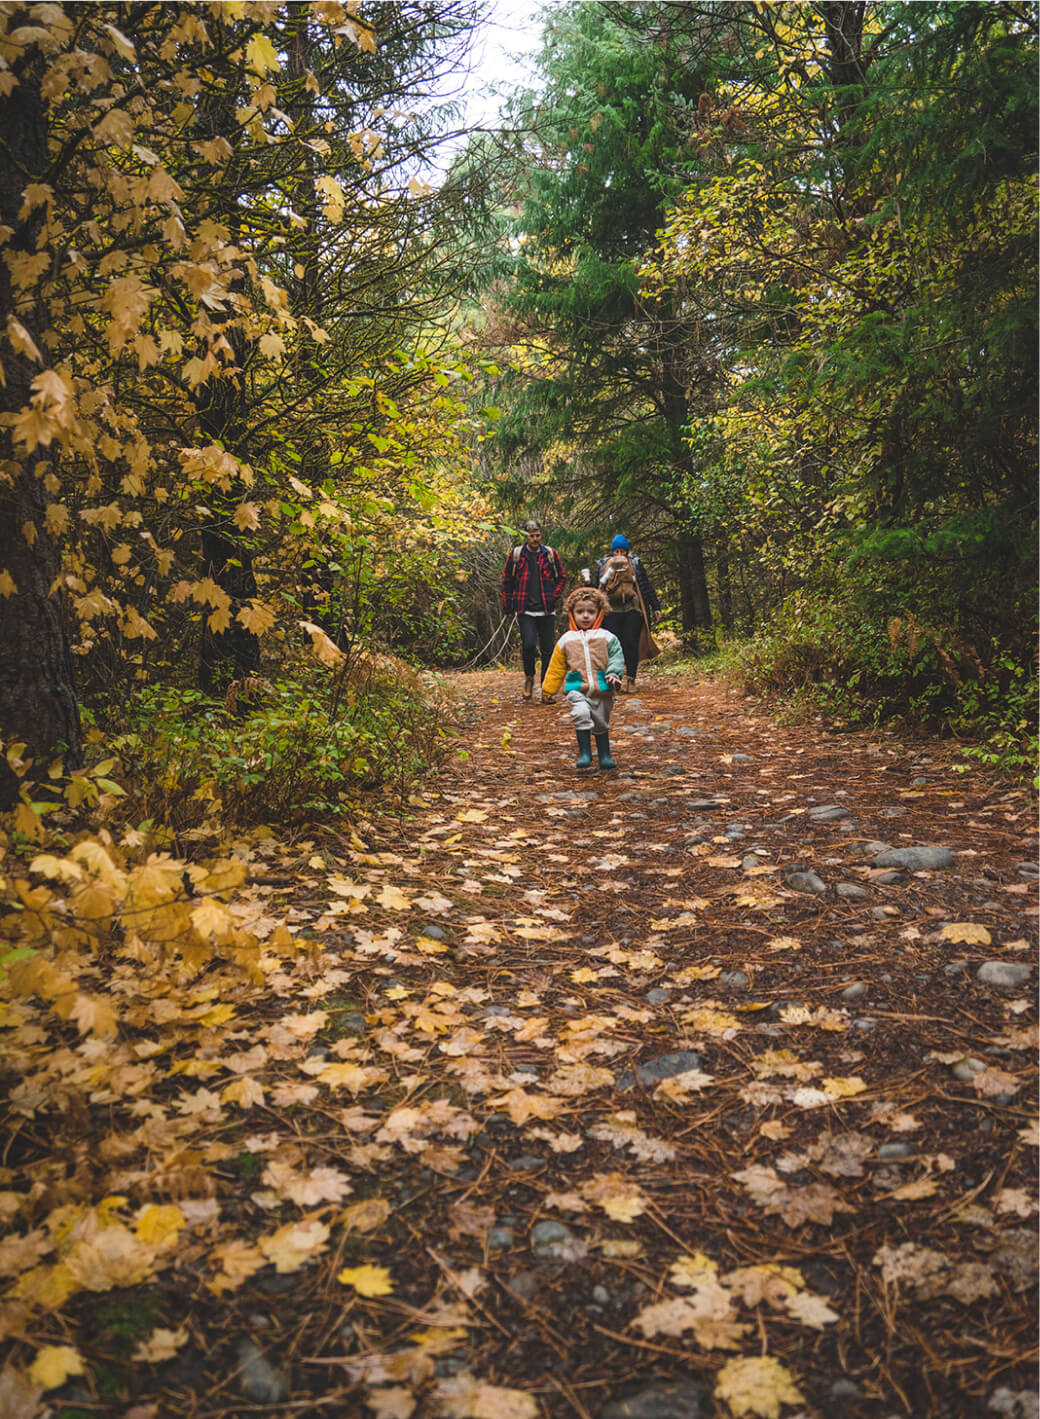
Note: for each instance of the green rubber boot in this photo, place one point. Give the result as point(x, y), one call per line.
point(584, 760)
point(603, 750)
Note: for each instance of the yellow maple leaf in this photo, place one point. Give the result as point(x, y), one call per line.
point(844, 1088)
point(966, 933)
point(692, 1270)
point(158, 1224)
point(256, 617)
point(912, 1191)
point(472, 815)
point(95, 1015)
point(294, 1244)
point(367, 1280)
point(211, 918)
point(757, 1384)
point(261, 55)
point(161, 1345)
point(246, 1092)
point(53, 1366)
point(393, 899)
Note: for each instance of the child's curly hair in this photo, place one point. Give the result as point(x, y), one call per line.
point(586, 593)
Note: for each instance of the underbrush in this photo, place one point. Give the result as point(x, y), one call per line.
point(822, 655)
point(281, 753)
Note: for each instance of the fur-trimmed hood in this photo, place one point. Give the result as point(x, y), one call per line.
point(586, 593)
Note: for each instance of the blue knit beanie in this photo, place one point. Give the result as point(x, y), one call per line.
point(620, 543)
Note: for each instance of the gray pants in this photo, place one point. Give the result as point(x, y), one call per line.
point(590, 711)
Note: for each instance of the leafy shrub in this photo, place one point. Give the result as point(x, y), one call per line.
point(850, 660)
point(306, 754)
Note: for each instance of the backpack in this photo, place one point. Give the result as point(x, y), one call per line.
point(619, 581)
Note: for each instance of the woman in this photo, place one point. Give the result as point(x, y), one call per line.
point(623, 578)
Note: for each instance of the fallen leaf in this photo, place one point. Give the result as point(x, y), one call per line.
point(966, 933)
point(757, 1385)
point(367, 1280)
point(53, 1366)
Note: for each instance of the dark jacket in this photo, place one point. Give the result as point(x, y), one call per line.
point(514, 578)
point(646, 589)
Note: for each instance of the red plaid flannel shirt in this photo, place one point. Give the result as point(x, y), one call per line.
point(514, 579)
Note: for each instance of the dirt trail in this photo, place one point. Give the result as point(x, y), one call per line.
point(850, 1158)
point(661, 1094)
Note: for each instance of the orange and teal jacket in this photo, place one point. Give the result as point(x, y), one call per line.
point(582, 660)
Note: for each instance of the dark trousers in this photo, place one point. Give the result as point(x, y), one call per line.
point(537, 633)
point(626, 625)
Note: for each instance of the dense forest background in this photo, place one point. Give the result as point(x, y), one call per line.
point(288, 355)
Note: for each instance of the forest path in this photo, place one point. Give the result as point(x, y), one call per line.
point(841, 1174)
point(660, 1094)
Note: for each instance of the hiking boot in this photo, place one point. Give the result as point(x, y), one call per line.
point(528, 686)
point(584, 759)
point(548, 699)
point(603, 750)
point(629, 687)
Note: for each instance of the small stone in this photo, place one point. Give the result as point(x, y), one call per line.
point(852, 891)
point(828, 813)
point(923, 858)
point(747, 863)
point(500, 1237)
point(553, 1240)
point(1027, 869)
point(870, 848)
point(258, 1380)
point(1004, 975)
point(431, 929)
point(524, 1285)
point(665, 1066)
point(740, 759)
point(701, 804)
point(966, 1069)
point(865, 1022)
point(526, 1163)
point(601, 1295)
point(889, 879)
point(845, 1389)
point(918, 782)
point(806, 882)
point(854, 992)
point(1015, 1404)
point(955, 968)
point(685, 733)
point(878, 913)
point(733, 980)
point(891, 1152)
point(660, 995)
point(668, 1399)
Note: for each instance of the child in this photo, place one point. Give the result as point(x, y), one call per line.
point(588, 661)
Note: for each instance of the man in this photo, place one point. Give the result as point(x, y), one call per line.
point(532, 583)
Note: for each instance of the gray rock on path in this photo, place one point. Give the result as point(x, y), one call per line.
point(852, 891)
point(667, 1399)
point(869, 847)
point(666, 1066)
point(554, 1241)
point(923, 858)
point(258, 1380)
point(1015, 1404)
point(809, 882)
point(828, 813)
point(1004, 975)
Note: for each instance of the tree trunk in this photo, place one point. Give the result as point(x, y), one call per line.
point(725, 590)
point(37, 702)
point(693, 594)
